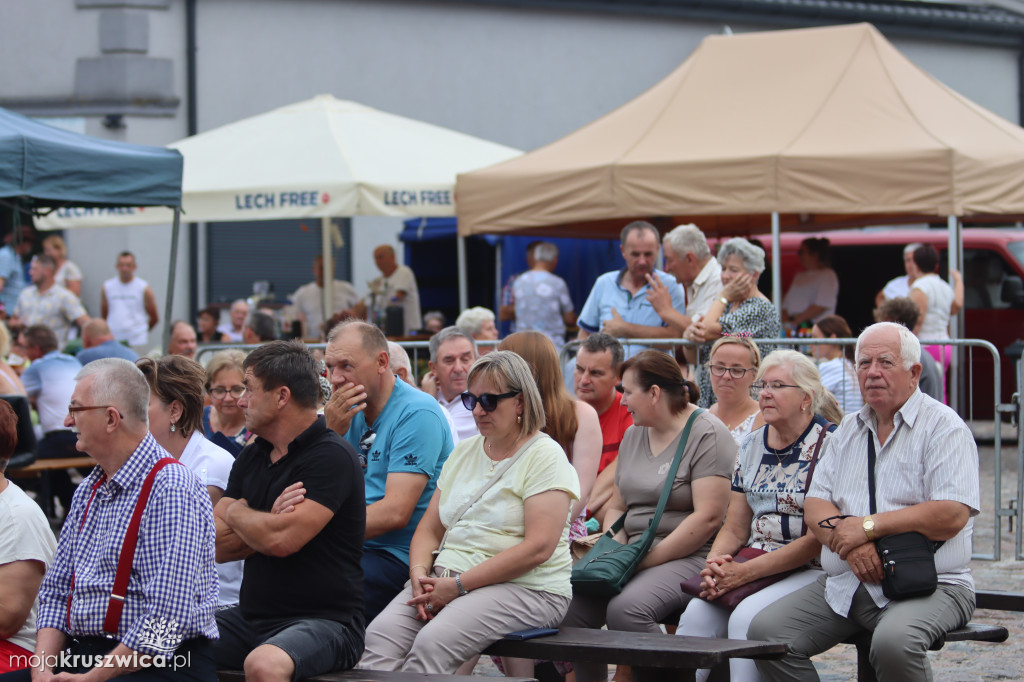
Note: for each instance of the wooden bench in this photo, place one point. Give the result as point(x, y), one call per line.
point(41, 469)
point(654, 657)
point(372, 676)
point(974, 632)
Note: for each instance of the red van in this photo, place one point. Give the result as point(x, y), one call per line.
point(865, 259)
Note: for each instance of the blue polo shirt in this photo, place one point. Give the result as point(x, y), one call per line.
point(412, 437)
point(609, 293)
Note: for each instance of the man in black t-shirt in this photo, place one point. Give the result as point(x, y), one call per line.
point(300, 609)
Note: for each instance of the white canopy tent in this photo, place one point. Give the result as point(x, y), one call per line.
point(322, 157)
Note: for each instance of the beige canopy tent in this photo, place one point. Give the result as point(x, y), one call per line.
point(820, 127)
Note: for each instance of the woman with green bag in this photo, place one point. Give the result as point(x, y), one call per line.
point(663, 406)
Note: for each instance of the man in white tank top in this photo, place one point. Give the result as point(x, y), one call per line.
point(128, 304)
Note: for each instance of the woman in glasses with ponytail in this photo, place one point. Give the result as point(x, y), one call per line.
point(491, 553)
point(733, 366)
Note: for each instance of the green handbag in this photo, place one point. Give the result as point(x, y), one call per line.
point(609, 564)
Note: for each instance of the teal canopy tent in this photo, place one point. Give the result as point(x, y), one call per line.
point(42, 167)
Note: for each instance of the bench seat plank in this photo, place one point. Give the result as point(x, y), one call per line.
point(1000, 601)
point(978, 632)
point(373, 676)
point(41, 465)
point(644, 649)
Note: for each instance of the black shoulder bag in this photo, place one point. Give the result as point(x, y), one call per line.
point(908, 559)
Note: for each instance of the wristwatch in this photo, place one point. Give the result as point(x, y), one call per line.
point(458, 583)
point(869, 527)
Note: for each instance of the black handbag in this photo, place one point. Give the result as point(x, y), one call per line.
point(908, 559)
point(609, 564)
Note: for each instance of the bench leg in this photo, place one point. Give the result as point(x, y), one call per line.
point(865, 673)
point(664, 674)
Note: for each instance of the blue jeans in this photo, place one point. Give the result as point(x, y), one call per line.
point(384, 576)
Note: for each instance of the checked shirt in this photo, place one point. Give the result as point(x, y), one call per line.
point(172, 592)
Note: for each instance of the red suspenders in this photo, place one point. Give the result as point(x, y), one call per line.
point(124, 563)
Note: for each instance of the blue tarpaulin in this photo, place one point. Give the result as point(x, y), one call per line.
point(580, 262)
point(55, 167)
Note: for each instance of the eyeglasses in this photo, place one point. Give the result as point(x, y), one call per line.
point(770, 386)
point(365, 443)
point(488, 401)
point(830, 522)
point(219, 392)
point(73, 409)
point(734, 372)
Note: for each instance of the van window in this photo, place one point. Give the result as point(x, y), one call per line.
point(984, 272)
point(1017, 249)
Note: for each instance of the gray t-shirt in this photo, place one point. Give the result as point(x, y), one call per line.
point(640, 476)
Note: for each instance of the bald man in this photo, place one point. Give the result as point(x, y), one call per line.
point(395, 286)
point(99, 342)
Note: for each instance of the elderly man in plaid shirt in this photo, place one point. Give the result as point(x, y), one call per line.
point(158, 625)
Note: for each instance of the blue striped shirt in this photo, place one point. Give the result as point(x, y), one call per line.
point(172, 592)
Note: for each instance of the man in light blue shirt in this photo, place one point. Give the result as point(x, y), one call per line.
point(49, 382)
point(618, 303)
point(12, 270)
point(402, 439)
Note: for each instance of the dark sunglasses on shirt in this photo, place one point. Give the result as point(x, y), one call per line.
point(488, 401)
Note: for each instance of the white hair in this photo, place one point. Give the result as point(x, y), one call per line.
point(910, 346)
point(545, 252)
point(751, 254)
point(684, 239)
point(121, 384)
point(398, 357)
point(472, 320)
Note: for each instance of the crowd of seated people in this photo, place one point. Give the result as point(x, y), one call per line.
point(406, 529)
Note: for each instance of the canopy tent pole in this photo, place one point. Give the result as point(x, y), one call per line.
point(955, 258)
point(776, 264)
point(463, 294)
point(170, 277)
point(497, 278)
point(328, 287)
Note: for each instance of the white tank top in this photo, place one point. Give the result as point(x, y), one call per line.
point(126, 310)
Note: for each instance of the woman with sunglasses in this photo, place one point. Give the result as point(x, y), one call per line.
point(733, 366)
point(499, 522)
point(765, 506)
point(175, 414)
point(661, 403)
point(223, 419)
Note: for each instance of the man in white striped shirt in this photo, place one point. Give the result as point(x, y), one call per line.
point(926, 478)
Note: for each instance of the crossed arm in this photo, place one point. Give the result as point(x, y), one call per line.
point(242, 531)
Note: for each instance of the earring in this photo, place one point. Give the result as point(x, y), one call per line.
point(173, 428)
point(519, 419)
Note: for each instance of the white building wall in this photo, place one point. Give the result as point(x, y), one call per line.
point(521, 77)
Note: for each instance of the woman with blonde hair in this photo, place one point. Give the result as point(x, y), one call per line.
point(223, 419)
point(733, 365)
point(491, 553)
point(10, 382)
point(67, 275)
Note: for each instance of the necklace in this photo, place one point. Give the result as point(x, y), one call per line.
point(781, 456)
point(488, 447)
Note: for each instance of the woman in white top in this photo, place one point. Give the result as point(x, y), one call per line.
point(813, 292)
point(10, 382)
point(68, 275)
point(835, 363)
point(936, 300)
point(733, 366)
point(175, 420)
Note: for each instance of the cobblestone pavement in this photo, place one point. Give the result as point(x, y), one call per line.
point(958, 661)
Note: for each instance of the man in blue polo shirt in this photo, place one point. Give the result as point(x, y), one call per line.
point(402, 438)
point(618, 303)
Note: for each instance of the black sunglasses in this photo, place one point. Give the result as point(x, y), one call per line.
point(488, 401)
point(830, 522)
